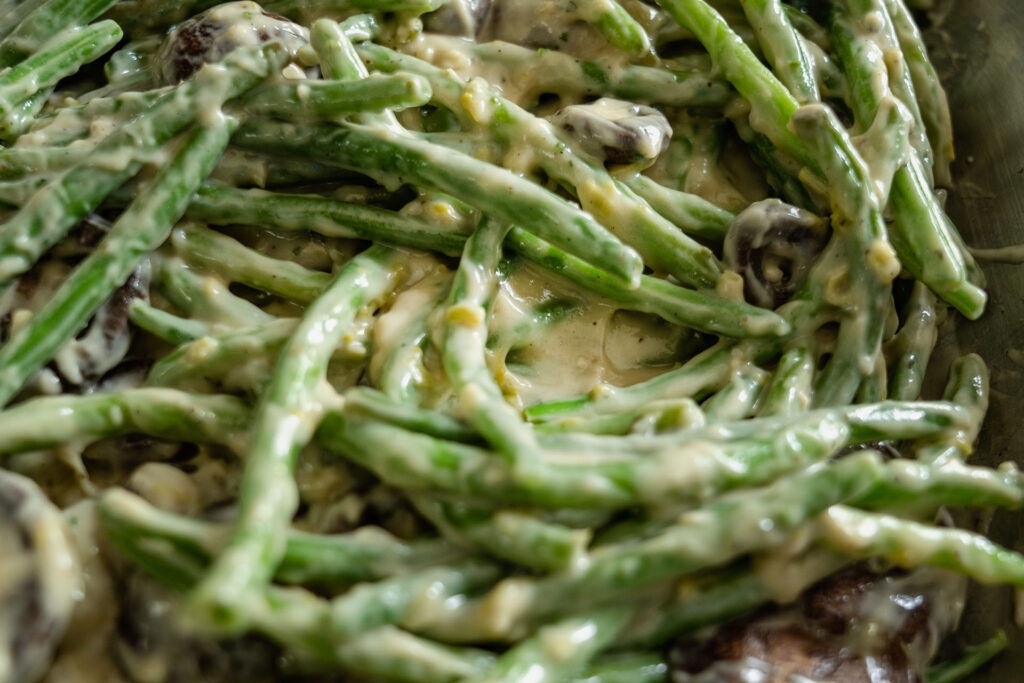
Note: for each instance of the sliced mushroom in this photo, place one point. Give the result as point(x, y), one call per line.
point(210, 36)
point(38, 579)
point(150, 645)
point(459, 18)
point(548, 24)
point(105, 342)
point(617, 132)
point(773, 245)
point(855, 627)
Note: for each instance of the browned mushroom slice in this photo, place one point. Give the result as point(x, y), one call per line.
point(151, 646)
point(856, 627)
point(773, 245)
point(208, 37)
point(460, 18)
point(103, 345)
point(38, 579)
point(616, 132)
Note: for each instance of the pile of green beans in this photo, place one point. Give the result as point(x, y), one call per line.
point(332, 237)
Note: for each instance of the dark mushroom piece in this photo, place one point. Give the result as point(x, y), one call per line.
point(618, 133)
point(773, 245)
point(39, 579)
point(855, 627)
point(103, 345)
point(150, 645)
point(210, 36)
point(459, 18)
point(540, 24)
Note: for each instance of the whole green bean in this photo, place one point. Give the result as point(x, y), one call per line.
point(911, 544)
point(320, 100)
point(235, 262)
point(222, 205)
point(285, 421)
point(478, 397)
point(205, 298)
point(49, 422)
point(164, 325)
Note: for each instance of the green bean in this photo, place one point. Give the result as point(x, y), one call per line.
point(716, 462)
point(479, 398)
point(885, 421)
point(716, 597)
point(693, 215)
point(303, 9)
point(13, 16)
point(71, 123)
point(973, 658)
point(923, 488)
point(704, 312)
point(911, 544)
point(337, 55)
point(164, 325)
point(738, 398)
point(618, 27)
point(912, 346)
point(204, 297)
point(397, 365)
point(46, 21)
point(212, 357)
point(771, 102)
point(900, 81)
point(790, 390)
point(142, 16)
point(319, 100)
point(367, 554)
point(371, 403)
point(556, 72)
point(49, 422)
point(285, 421)
point(701, 375)
point(45, 219)
point(221, 205)
point(639, 668)
point(712, 535)
point(871, 262)
point(139, 230)
point(61, 56)
point(784, 48)
point(558, 651)
point(19, 192)
point(493, 190)
point(510, 535)
point(235, 262)
point(925, 239)
point(19, 162)
point(303, 624)
point(931, 98)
